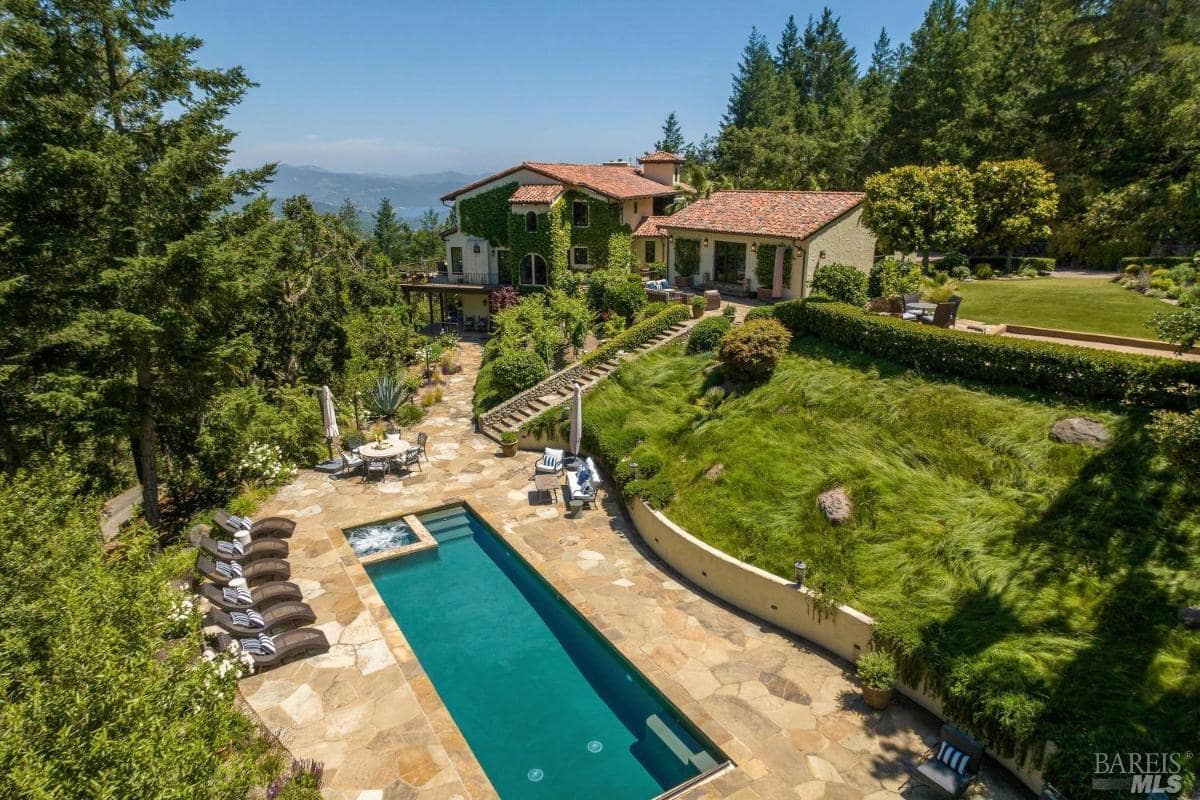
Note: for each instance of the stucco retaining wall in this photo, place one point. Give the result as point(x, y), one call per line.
point(843, 631)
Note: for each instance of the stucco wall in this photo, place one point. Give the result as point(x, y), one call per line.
point(842, 631)
point(845, 241)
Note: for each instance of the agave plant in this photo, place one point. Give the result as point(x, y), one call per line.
point(386, 398)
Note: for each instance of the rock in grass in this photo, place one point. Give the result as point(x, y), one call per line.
point(1081, 430)
point(1190, 617)
point(715, 472)
point(835, 505)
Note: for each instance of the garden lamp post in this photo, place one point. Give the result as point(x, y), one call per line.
point(801, 573)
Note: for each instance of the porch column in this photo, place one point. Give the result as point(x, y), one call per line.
point(443, 298)
point(430, 296)
point(777, 276)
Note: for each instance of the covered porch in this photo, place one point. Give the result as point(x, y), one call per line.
point(452, 307)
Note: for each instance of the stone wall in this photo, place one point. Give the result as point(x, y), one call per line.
point(843, 631)
point(562, 380)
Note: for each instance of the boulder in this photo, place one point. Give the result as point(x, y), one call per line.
point(835, 505)
point(714, 472)
point(1190, 617)
point(1081, 430)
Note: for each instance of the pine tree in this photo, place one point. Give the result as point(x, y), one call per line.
point(672, 136)
point(754, 101)
point(788, 53)
point(349, 215)
point(390, 232)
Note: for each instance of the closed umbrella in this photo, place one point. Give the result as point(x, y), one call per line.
point(576, 419)
point(329, 417)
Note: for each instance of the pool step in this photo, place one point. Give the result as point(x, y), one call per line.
point(658, 733)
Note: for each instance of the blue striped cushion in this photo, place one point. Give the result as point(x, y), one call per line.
point(231, 548)
point(267, 644)
point(230, 569)
point(550, 462)
point(252, 646)
point(953, 758)
point(239, 596)
point(249, 619)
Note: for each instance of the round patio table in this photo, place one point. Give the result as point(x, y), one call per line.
point(390, 449)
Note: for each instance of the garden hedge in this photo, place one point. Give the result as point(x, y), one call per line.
point(1155, 261)
point(639, 334)
point(1062, 369)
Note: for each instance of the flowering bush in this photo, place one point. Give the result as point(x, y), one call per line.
point(263, 464)
point(182, 618)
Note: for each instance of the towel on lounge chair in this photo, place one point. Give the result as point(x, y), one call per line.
point(248, 619)
point(241, 596)
point(230, 569)
point(234, 548)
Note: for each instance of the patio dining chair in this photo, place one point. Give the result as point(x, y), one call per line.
point(942, 317)
point(411, 456)
point(422, 439)
point(375, 466)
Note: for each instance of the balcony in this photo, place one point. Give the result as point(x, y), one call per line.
point(442, 281)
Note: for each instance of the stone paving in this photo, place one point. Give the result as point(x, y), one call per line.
point(787, 715)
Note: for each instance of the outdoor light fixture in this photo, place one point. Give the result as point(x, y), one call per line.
point(706, 241)
point(801, 573)
point(476, 248)
point(633, 466)
point(754, 247)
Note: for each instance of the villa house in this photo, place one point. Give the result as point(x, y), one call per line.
point(747, 241)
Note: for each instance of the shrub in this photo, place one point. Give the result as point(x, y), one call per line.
point(751, 352)
point(1057, 368)
point(707, 334)
point(640, 333)
point(983, 273)
point(612, 327)
point(760, 312)
point(1027, 272)
point(952, 261)
point(890, 277)
point(616, 289)
point(876, 669)
point(1155, 261)
point(385, 398)
point(656, 491)
point(408, 415)
point(687, 257)
point(1179, 437)
point(699, 302)
point(729, 310)
point(841, 282)
point(502, 298)
point(515, 372)
point(508, 437)
point(1036, 264)
point(353, 439)
point(962, 273)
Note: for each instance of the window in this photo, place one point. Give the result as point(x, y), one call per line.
point(533, 270)
point(530, 222)
point(650, 252)
point(729, 262)
point(635, 206)
point(580, 257)
point(579, 214)
point(502, 267)
point(456, 261)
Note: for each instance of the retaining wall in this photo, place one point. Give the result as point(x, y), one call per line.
point(844, 631)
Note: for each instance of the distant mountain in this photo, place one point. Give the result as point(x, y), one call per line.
point(410, 194)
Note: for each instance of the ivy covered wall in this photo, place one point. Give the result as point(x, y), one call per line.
point(765, 267)
point(487, 214)
point(604, 219)
point(551, 240)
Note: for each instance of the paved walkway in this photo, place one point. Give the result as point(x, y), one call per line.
point(788, 715)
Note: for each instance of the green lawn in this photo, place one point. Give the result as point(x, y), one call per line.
point(1035, 584)
point(1094, 305)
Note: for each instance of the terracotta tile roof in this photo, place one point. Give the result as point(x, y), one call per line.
point(660, 157)
point(753, 212)
point(449, 231)
point(623, 182)
point(536, 193)
point(651, 226)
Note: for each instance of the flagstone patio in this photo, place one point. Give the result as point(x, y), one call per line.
point(787, 715)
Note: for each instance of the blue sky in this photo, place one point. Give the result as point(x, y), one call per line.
point(403, 87)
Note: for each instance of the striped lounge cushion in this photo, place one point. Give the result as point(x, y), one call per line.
point(953, 758)
point(231, 548)
point(229, 569)
point(240, 596)
point(249, 619)
point(550, 461)
point(267, 644)
point(251, 646)
point(245, 523)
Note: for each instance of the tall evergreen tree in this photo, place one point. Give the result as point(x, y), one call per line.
point(672, 136)
point(390, 232)
point(755, 98)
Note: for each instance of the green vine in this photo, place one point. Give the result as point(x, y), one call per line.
point(765, 268)
point(687, 257)
point(604, 219)
point(551, 241)
point(487, 215)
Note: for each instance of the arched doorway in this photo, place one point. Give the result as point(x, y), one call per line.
point(533, 270)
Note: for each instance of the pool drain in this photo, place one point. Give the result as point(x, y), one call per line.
point(595, 746)
point(535, 774)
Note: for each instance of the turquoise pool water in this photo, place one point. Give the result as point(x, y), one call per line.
point(549, 708)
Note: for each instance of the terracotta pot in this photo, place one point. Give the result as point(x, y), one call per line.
point(764, 293)
point(509, 449)
point(697, 312)
point(877, 699)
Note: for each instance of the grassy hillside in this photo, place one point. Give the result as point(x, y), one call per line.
point(1033, 583)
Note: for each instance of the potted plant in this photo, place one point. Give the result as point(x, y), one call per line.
point(508, 443)
point(698, 306)
point(877, 673)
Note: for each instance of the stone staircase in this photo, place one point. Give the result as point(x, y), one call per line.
point(558, 388)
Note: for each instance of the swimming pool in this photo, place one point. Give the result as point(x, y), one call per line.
point(376, 537)
point(550, 709)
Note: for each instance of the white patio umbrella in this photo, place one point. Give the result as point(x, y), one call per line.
point(576, 419)
point(329, 417)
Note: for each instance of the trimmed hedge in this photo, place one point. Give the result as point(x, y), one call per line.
point(1058, 368)
point(707, 334)
point(637, 335)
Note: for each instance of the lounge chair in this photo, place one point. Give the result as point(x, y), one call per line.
point(271, 651)
point(582, 483)
point(265, 595)
point(251, 622)
point(265, 547)
point(551, 462)
point(953, 764)
point(276, 527)
point(254, 573)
